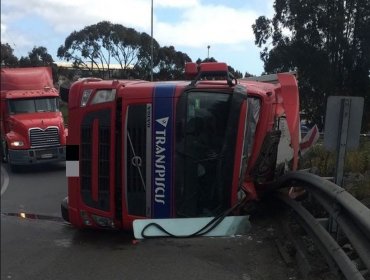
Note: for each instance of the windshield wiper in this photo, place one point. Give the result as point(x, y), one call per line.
point(210, 156)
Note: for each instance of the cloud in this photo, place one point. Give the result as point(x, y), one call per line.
point(176, 3)
point(198, 25)
point(185, 24)
point(15, 40)
point(69, 15)
point(3, 28)
point(204, 25)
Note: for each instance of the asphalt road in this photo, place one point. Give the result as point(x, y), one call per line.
point(41, 247)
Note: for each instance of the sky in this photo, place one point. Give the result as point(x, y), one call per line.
point(188, 25)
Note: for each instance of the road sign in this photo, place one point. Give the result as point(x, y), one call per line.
point(343, 122)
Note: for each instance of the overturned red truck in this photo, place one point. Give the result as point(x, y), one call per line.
point(139, 149)
point(32, 129)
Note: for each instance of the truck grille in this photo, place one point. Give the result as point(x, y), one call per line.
point(86, 163)
point(136, 153)
point(44, 138)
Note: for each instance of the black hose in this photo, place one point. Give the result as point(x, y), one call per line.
point(204, 230)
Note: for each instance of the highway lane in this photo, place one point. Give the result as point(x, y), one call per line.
point(34, 189)
point(44, 249)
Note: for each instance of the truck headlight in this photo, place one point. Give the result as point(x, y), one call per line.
point(102, 96)
point(103, 221)
point(85, 218)
point(17, 144)
point(85, 97)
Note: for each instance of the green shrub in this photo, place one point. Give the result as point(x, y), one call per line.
point(357, 161)
point(356, 167)
point(319, 158)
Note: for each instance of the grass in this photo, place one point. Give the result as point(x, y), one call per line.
point(357, 161)
point(356, 168)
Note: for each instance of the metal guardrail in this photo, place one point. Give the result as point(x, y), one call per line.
point(351, 216)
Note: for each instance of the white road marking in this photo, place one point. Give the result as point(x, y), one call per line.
point(4, 180)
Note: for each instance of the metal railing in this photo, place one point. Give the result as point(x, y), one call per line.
point(349, 216)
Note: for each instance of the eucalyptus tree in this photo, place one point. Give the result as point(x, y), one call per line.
point(98, 46)
point(8, 59)
point(38, 56)
point(89, 48)
point(171, 64)
point(326, 42)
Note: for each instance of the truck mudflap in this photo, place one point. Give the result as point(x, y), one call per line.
point(34, 156)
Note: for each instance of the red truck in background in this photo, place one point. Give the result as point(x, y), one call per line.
point(32, 128)
point(139, 149)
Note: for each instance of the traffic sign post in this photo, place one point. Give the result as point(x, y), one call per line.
point(342, 133)
point(342, 128)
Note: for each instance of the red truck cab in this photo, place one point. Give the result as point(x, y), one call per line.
point(32, 128)
point(139, 149)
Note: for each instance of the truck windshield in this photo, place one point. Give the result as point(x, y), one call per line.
point(204, 153)
point(22, 106)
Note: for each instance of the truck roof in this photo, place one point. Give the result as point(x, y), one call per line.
point(207, 76)
point(255, 87)
point(27, 82)
point(18, 94)
point(27, 78)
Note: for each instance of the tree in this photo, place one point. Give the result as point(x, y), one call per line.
point(142, 69)
point(208, 59)
point(326, 42)
point(171, 64)
point(236, 73)
point(39, 56)
point(98, 46)
point(247, 75)
point(8, 58)
point(88, 48)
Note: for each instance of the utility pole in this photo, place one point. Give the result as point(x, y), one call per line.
point(208, 51)
point(151, 43)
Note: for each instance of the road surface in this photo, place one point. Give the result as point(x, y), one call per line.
point(44, 247)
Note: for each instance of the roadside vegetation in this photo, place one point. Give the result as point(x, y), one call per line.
point(356, 171)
